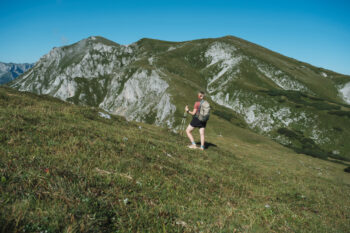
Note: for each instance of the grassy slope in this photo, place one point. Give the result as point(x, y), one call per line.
point(64, 168)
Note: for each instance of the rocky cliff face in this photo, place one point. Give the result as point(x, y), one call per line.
point(294, 103)
point(98, 72)
point(10, 71)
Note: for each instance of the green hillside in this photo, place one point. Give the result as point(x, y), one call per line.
point(64, 168)
point(314, 121)
point(300, 106)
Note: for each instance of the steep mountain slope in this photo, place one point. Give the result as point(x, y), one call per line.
point(68, 168)
point(10, 71)
point(296, 104)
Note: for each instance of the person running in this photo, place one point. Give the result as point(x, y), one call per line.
point(196, 123)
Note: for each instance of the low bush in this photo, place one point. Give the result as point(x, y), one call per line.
point(340, 113)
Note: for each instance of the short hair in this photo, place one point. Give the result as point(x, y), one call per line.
point(201, 92)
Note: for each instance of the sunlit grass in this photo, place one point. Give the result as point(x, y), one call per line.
point(64, 168)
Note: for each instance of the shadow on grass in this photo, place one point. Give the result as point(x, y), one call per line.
point(207, 145)
point(342, 162)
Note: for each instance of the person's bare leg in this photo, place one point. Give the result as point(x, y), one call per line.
point(189, 133)
point(201, 132)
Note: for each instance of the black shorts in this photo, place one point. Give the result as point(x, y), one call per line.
point(197, 123)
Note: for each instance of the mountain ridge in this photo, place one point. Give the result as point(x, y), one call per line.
point(10, 71)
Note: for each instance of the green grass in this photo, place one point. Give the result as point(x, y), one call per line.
point(303, 99)
point(301, 144)
point(63, 168)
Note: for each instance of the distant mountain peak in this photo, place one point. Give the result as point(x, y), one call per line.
point(10, 71)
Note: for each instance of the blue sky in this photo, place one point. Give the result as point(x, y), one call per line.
point(317, 32)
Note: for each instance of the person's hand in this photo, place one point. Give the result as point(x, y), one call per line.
point(186, 108)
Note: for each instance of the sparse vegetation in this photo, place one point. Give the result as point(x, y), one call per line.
point(340, 113)
point(300, 99)
point(302, 144)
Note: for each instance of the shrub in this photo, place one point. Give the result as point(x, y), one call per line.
point(289, 133)
point(324, 106)
point(224, 114)
point(338, 129)
point(340, 113)
point(4, 96)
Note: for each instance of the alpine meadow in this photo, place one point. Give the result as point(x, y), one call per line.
point(91, 141)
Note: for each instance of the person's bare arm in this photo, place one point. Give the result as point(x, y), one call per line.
point(191, 112)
